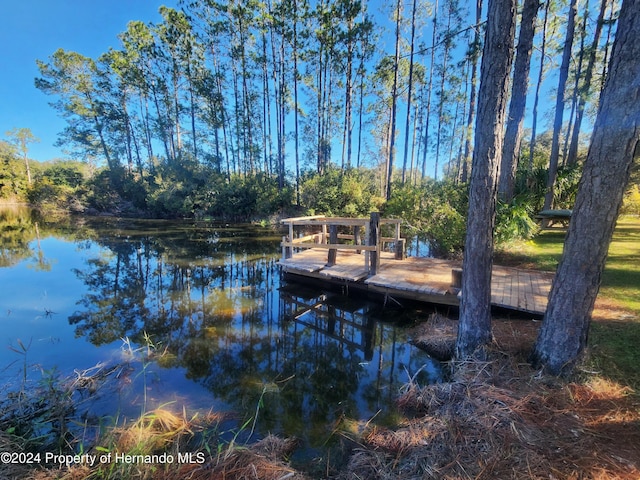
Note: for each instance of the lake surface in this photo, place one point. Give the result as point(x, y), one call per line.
point(225, 333)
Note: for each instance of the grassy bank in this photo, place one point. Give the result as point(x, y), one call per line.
point(615, 330)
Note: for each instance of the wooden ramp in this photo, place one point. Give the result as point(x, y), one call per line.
point(421, 279)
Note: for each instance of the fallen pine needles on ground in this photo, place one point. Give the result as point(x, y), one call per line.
point(502, 419)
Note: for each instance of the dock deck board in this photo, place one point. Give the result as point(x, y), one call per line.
point(423, 279)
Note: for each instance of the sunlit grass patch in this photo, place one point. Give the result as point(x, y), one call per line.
point(153, 431)
point(615, 332)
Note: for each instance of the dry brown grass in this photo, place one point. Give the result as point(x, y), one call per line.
point(153, 431)
point(502, 419)
point(264, 460)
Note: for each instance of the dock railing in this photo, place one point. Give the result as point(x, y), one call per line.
point(325, 235)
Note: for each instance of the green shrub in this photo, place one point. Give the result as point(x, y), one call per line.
point(514, 222)
point(436, 210)
point(339, 192)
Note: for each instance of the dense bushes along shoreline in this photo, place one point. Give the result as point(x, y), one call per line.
point(435, 210)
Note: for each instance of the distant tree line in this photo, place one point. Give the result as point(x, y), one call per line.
point(280, 88)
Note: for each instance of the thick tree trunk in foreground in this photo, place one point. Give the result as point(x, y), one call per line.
point(614, 144)
point(474, 330)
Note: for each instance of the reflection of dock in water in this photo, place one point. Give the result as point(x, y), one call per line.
point(344, 357)
point(334, 316)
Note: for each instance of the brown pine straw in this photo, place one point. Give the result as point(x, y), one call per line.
point(264, 460)
point(501, 419)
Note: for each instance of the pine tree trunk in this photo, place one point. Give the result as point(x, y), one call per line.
point(536, 100)
point(557, 123)
point(394, 102)
point(295, 98)
point(513, 135)
point(572, 156)
point(468, 150)
point(614, 145)
point(409, 94)
point(442, 95)
point(474, 330)
point(427, 114)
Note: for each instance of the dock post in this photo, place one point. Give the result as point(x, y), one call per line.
point(399, 249)
point(333, 239)
point(286, 251)
point(356, 237)
point(374, 239)
point(456, 280)
point(367, 254)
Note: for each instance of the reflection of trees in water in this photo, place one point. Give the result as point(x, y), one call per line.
point(23, 229)
point(211, 300)
point(145, 283)
point(19, 229)
point(17, 232)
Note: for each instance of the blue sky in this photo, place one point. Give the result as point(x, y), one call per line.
point(34, 29)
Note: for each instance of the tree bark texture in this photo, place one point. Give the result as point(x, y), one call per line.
point(614, 145)
point(474, 330)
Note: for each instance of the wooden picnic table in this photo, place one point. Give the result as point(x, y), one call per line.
point(548, 217)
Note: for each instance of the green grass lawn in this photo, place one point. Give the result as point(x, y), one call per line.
point(614, 337)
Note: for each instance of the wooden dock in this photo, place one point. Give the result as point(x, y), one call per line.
point(417, 278)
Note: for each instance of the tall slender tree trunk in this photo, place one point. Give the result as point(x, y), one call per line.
point(429, 87)
point(192, 111)
point(224, 118)
point(443, 96)
point(615, 144)
point(282, 111)
point(515, 121)
point(360, 115)
point(295, 98)
point(266, 111)
point(576, 86)
point(394, 102)
point(536, 98)
point(348, 94)
point(474, 330)
point(572, 156)
point(246, 103)
point(319, 82)
point(468, 137)
point(144, 106)
point(414, 137)
point(557, 124)
point(409, 94)
point(607, 45)
point(362, 73)
point(460, 158)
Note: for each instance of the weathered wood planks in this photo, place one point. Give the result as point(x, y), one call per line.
point(423, 279)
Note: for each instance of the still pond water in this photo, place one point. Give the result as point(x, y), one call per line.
point(228, 334)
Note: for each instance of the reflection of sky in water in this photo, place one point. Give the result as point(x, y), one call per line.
point(210, 301)
point(35, 304)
